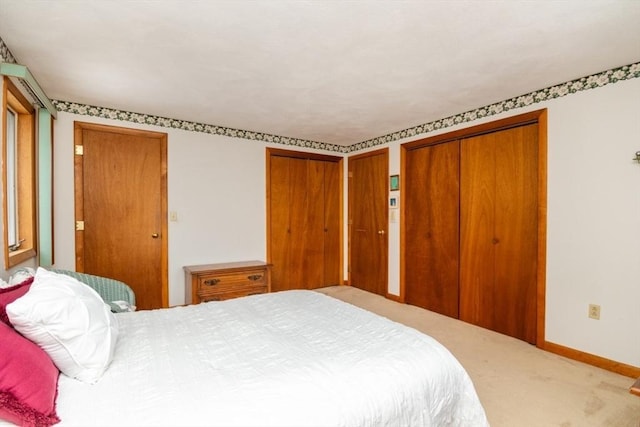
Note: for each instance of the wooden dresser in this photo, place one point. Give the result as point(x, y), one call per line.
point(217, 282)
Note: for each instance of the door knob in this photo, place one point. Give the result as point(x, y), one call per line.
point(380, 231)
point(155, 235)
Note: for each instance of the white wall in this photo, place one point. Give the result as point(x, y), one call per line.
point(217, 187)
point(594, 221)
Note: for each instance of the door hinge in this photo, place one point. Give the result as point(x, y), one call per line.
point(350, 174)
point(79, 225)
point(79, 150)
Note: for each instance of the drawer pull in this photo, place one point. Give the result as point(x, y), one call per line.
point(211, 282)
point(254, 277)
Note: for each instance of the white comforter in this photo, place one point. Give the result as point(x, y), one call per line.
point(295, 358)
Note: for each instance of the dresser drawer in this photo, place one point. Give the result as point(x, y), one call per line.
point(221, 294)
point(217, 282)
point(221, 281)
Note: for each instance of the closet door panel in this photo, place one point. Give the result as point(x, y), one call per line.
point(477, 238)
point(298, 201)
point(314, 226)
point(498, 240)
point(280, 231)
point(516, 228)
point(431, 192)
point(332, 223)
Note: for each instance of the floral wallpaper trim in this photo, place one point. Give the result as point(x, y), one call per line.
point(5, 53)
point(585, 83)
point(147, 119)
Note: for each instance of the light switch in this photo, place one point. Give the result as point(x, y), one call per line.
point(393, 215)
point(173, 216)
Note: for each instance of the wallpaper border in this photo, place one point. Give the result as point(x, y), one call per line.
point(148, 119)
point(593, 81)
point(5, 53)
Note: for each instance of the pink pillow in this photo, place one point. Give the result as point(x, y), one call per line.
point(28, 381)
point(9, 295)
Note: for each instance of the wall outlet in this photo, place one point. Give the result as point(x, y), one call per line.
point(594, 311)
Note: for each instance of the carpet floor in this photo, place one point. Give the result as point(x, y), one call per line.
point(519, 385)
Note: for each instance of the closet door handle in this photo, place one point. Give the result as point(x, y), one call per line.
point(380, 231)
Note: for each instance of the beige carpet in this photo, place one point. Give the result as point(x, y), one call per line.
point(518, 384)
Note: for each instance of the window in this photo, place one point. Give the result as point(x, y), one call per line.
point(18, 142)
point(12, 196)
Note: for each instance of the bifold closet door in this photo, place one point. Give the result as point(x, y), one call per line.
point(304, 223)
point(431, 191)
point(498, 231)
point(319, 232)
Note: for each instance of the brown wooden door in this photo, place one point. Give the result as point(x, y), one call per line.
point(498, 231)
point(304, 243)
point(120, 196)
point(368, 220)
point(431, 193)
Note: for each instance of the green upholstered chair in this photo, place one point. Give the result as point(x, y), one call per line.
point(109, 289)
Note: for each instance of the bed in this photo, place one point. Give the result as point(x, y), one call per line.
point(291, 358)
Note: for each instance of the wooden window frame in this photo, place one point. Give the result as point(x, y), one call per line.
point(26, 118)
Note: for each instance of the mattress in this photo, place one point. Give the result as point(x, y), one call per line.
point(292, 358)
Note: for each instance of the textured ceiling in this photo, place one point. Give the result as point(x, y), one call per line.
point(339, 72)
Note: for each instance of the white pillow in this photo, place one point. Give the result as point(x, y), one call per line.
point(70, 321)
